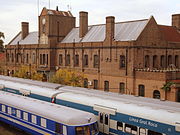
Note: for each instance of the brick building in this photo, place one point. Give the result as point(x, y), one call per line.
point(134, 57)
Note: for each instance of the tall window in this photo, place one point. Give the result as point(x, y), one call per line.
point(12, 57)
point(146, 62)
point(67, 59)
point(41, 59)
point(96, 61)
point(27, 58)
point(106, 85)
point(86, 60)
point(163, 61)
point(46, 59)
point(169, 59)
point(17, 57)
point(121, 87)
point(60, 59)
point(33, 58)
point(95, 84)
point(76, 60)
point(156, 94)
point(141, 90)
point(85, 83)
point(176, 61)
point(122, 61)
point(7, 57)
point(155, 62)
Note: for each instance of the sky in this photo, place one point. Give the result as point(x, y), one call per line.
point(13, 12)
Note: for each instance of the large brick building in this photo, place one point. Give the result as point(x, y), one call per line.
point(134, 57)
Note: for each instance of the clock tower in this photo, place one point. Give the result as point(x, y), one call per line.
point(54, 25)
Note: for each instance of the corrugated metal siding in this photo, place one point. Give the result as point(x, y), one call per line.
point(32, 38)
point(125, 31)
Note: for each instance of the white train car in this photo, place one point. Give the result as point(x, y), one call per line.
point(40, 117)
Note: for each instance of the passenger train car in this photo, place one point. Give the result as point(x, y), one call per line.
point(117, 113)
point(39, 117)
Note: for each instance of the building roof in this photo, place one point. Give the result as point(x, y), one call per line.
point(124, 31)
point(170, 33)
point(32, 38)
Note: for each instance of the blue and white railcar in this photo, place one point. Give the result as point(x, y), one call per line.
point(39, 117)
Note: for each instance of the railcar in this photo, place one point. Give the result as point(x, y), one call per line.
point(42, 118)
point(117, 113)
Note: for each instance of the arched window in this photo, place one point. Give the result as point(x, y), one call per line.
point(146, 62)
point(76, 60)
point(85, 83)
point(176, 61)
point(121, 87)
point(163, 61)
point(141, 90)
point(155, 61)
point(122, 61)
point(156, 94)
point(169, 59)
point(106, 85)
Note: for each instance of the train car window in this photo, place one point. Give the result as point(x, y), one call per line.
point(43, 122)
point(33, 119)
point(9, 110)
point(18, 113)
point(119, 126)
point(101, 117)
point(106, 119)
point(25, 116)
point(83, 130)
point(94, 128)
point(153, 133)
point(142, 131)
point(59, 129)
point(130, 129)
point(3, 108)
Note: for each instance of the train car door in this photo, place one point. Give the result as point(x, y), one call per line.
point(104, 122)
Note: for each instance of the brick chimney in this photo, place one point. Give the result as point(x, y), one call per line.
point(110, 22)
point(25, 29)
point(176, 21)
point(83, 23)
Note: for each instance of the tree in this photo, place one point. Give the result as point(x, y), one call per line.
point(68, 77)
point(167, 87)
point(28, 73)
point(1, 41)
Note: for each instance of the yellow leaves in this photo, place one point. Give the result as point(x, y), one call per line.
point(68, 77)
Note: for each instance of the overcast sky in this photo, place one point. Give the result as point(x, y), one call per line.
point(13, 12)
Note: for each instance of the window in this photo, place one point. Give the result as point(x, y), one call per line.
point(142, 131)
point(25, 116)
point(106, 119)
point(106, 85)
point(163, 61)
point(9, 110)
point(155, 62)
point(3, 108)
point(43, 122)
point(169, 60)
point(59, 129)
point(7, 57)
point(85, 83)
point(41, 61)
point(85, 60)
point(60, 59)
point(44, 59)
point(33, 58)
point(83, 130)
point(177, 61)
point(101, 117)
point(76, 60)
point(12, 57)
point(96, 61)
point(68, 60)
point(156, 94)
point(17, 57)
point(95, 84)
point(153, 133)
point(33, 119)
point(27, 58)
point(121, 87)
point(119, 126)
point(130, 129)
point(122, 61)
point(146, 65)
point(141, 90)
point(18, 113)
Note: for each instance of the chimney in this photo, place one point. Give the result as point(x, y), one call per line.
point(25, 29)
point(83, 23)
point(57, 8)
point(110, 21)
point(176, 21)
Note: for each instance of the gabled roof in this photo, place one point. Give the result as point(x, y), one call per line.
point(170, 33)
point(124, 31)
point(55, 12)
point(32, 38)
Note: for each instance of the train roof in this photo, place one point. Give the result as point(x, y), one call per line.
point(154, 113)
point(62, 114)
